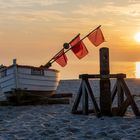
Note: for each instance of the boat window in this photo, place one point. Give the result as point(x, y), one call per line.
point(37, 71)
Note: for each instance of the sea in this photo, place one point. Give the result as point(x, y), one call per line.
point(72, 86)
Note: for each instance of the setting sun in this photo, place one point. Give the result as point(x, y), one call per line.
point(137, 69)
point(137, 37)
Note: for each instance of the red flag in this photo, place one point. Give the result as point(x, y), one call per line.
point(78, 47)
point(96, 37)
point(61, 59)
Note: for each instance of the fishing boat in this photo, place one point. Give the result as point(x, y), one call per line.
point(36, 81)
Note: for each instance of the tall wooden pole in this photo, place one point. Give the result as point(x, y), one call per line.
point(105, 92)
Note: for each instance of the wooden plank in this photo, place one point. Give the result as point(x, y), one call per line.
point(61, 95)
point(82, 76)
point(120, 93)
point(119, 75)
point(129, 96)
point(37, 82)
point(57, 101)
point(95, 105)
point(6, 78)
point(77, 100)
point(113, 92)
point(37, 77)
point(7, 83)
point(123, 107)
point(8, 88)
point(10, 70)
point(37, 88)
point(84, 99)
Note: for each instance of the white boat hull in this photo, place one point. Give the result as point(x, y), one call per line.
point(27, 78)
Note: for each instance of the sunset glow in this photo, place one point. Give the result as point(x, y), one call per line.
point(33, 31)
point(137, 37)
point(137, 69)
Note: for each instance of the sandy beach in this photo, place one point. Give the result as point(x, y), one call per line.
point(55, 122)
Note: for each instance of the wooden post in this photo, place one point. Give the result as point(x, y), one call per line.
point(120, 93)
point(105, 93)
point(84, 100)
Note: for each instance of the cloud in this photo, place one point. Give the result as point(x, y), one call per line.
point(109, 8)
point(31, 10)
point(29, 3)
point(129, 10)
point(133, 1)
point(46, 15)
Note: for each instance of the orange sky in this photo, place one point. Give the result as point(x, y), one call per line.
point(34, 30)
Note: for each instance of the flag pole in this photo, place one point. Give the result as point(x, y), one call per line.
point(49, 63)
point(81, 39)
